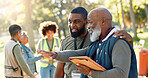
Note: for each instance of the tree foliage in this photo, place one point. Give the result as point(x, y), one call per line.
point(13, 11)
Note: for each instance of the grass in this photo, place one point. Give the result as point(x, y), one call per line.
point(4, 37)
point(142, 36)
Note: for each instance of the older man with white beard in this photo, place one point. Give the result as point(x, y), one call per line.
point(94, 34)
point(116, 55)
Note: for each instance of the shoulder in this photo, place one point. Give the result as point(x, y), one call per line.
point(11, 42)
point(24, 47)
point(121, 50)
point(121, 42)
point(118, 43)
point(67, 39)
point(122, 46)
point(10, 45)
point(17, 48)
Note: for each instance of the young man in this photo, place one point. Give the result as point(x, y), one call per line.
point(14, 61)
point(79, 38)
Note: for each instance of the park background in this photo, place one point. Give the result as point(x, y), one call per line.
point(129, 15)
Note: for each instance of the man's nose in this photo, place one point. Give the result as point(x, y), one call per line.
point(72, 25)
point(89, 26)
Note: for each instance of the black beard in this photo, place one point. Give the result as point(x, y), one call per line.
point(78, 33)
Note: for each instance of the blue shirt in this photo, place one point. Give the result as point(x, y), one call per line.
point(29, 57)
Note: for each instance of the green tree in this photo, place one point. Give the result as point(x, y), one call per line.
point(140, 15)
point(28, 23)
point(146, 10)
point(57, 11)
point(122, 14)
point(132, 16)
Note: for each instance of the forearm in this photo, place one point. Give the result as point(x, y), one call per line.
point(121, 60)
point(33, 59)
point(64, 55)
point(113, 73)
point(21, 61)
point(29, 57)
point(59, 72)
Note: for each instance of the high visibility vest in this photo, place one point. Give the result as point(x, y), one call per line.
point(44, 46)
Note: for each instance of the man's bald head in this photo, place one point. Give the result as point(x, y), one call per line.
point(100, 13)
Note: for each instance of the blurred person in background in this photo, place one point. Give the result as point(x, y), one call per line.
point(15, 65)
point(48, 43)
point(28, 53)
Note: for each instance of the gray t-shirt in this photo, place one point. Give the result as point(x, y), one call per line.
point(68, 44)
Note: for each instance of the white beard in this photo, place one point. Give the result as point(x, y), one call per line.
point(95, 35)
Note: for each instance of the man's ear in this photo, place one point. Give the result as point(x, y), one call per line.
point(17, 33)
point(103, 21)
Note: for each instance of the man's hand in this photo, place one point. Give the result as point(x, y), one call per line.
point(124, 34)
point(49, 55)
point(83, 69)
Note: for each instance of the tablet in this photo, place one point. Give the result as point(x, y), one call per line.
point(84, 60)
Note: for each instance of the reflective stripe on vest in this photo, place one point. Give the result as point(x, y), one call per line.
point(44, 46)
